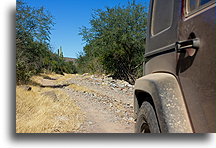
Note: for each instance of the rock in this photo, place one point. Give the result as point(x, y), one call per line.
point(90, 122)
point(113, 85)
point(97, 83)
point(129, 85)
point(118, 111)
point(85, 74)
point(27, 88)
point(51, 94)
point(121, 85)
point(131, 119)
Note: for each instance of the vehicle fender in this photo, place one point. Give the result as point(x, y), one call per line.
point(167, 100)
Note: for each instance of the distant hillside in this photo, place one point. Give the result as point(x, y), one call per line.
point(69, 59)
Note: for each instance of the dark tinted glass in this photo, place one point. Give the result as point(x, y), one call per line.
point(193, 4)
point(202, 2)
point(196, 4)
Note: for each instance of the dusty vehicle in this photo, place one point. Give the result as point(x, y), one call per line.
point(177, 92)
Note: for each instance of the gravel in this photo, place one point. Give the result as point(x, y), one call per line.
point(106, 103)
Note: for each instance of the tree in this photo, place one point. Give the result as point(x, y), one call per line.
point(117, 38)
point(33, 54)
point(32, 23)
point(32, 39)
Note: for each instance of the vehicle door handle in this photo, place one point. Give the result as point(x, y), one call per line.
point(181, 46)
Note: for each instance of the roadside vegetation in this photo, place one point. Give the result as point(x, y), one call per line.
point(114, 45)
point(115, 42)
point(33, 51)
point(46, 110)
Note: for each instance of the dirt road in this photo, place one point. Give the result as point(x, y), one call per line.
point(107, 104)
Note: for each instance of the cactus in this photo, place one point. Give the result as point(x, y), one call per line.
point(60, 53)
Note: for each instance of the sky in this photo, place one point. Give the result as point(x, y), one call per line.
point(69, 17)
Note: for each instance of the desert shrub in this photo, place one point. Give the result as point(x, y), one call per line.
point(115, 41)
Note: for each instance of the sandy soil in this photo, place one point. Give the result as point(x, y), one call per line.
point(107, 104)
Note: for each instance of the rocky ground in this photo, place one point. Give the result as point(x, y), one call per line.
point(107, 104)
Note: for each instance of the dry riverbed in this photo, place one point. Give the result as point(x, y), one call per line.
point(76, 104)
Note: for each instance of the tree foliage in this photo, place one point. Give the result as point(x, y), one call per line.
point(33, 52)
point(115, 42)
point(32, 23)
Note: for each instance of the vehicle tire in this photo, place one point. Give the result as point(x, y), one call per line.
point(147, 120)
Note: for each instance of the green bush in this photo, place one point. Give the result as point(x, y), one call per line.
point(115, 42)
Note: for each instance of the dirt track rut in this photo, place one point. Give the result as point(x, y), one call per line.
point(107, 104)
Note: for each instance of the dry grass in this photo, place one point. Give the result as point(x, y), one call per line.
point(37, 113)
point(60, 79)
point(37, 79)
point(66, 77)
point(81, 88)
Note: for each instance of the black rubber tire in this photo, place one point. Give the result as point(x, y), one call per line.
point(146, 119)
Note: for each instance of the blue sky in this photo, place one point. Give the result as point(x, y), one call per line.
point(70, 16)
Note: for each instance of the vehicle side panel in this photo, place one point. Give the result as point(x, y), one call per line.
point(197, 73)
point(167, 36)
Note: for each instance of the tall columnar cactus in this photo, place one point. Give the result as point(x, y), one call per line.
point(60, 53)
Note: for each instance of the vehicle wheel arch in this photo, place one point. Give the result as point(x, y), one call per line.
point(171, 113)
point(141, 97)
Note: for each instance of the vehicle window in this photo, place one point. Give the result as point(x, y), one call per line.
point(162, 14)
point(194, 5)
point(202, 2)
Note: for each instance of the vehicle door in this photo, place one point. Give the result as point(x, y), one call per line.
point(196, 62)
